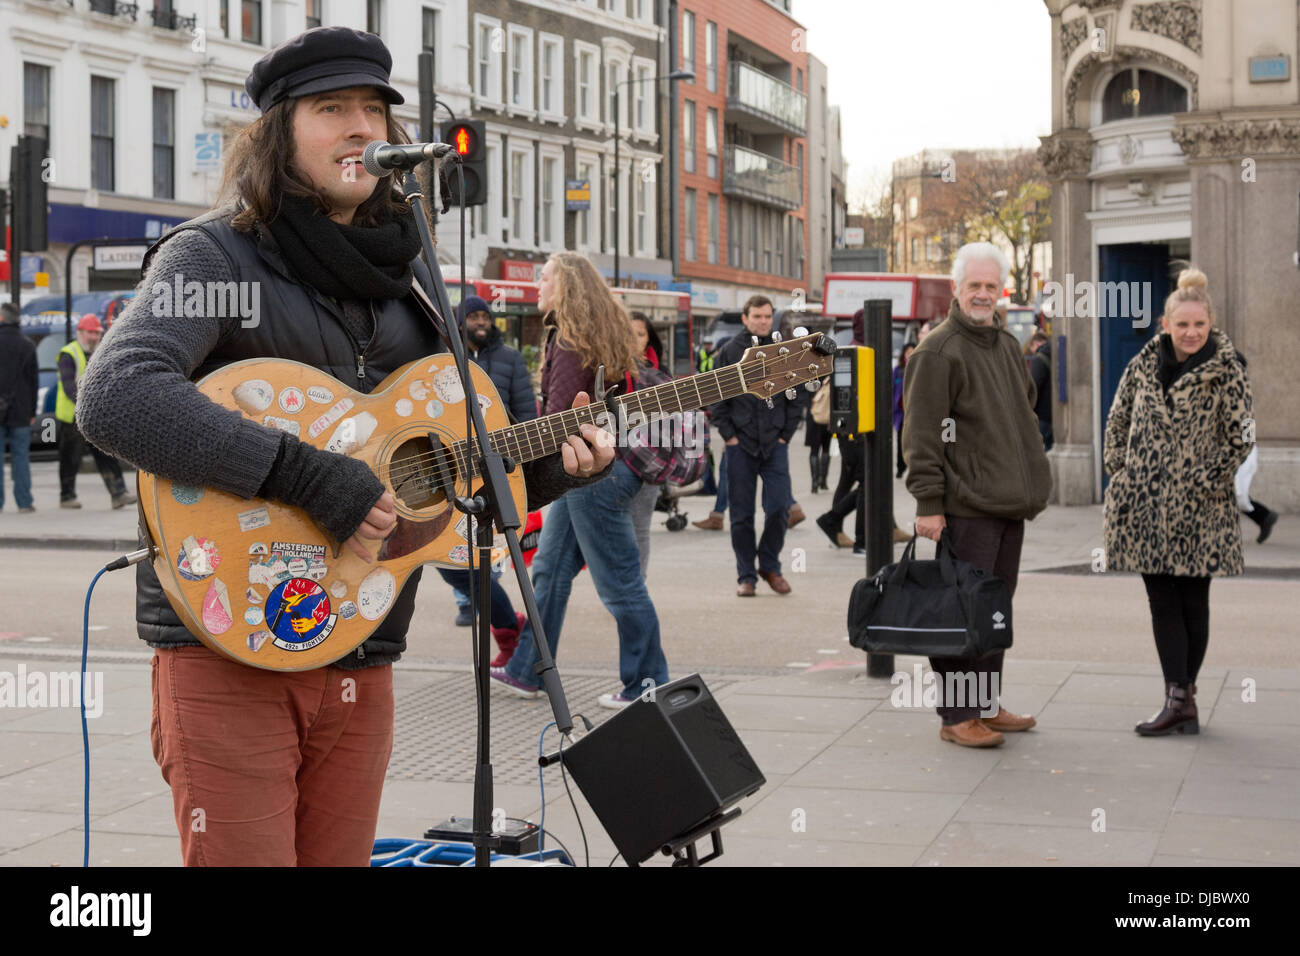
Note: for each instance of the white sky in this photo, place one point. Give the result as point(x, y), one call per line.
point(915, 74)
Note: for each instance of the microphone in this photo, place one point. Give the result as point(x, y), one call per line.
point(380, 158)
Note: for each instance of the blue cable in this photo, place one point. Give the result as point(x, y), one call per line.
point(85, 733)
point(541, 837)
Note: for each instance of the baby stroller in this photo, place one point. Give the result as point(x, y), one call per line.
point(668, 502)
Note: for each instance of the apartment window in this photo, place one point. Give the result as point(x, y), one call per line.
point(751, 214)
point(584, 215)
point(313, 13)
point(688, 41)
point(767, 241)
point(521, 68)
point(488, 35)
point(586, 80)
point(642, 88)
point(429, 29)
point(617, 73)
point(225, 18)
point(691, 221)
point(782, 231)
point(798, 80)
point(734, 232)
point(494, 190)
point(711, 142)
point(164, 143)
point(688, 136)
point(551, 51)
point(375, 17)
point(549, 165)
point(933, 249)
point(250, 20)
point(517, 188)
point(36, 100)
point(713, 229)
point(916, 250)
point(912, 206)
point(642, 202)
point(711, 56)
point(103, 91)
point(898, 254)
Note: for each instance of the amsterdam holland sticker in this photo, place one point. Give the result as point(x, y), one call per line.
point(298, 615)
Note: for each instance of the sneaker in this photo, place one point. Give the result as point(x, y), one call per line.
point(122, 500)
point(1266, 527)
point(30, 509)
point(70, 503)
point(831, 529)
point(615, 701)
point(796, 515)
point(463, 617)
point(516, 687)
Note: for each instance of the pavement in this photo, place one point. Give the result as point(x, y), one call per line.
point(855, 771)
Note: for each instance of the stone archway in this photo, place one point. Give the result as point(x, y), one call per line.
point(1087, 68)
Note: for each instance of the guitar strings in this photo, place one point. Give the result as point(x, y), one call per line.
point(452, 456)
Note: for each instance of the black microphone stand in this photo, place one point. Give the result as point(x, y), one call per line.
point(493, 505)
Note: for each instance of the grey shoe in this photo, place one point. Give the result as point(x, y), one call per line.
point(70, 503)
point(122, 500)
point(30, 509)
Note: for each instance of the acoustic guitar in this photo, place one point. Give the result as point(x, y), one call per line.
point(260, 582)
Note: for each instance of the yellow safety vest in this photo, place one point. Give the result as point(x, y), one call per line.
point(64, 407)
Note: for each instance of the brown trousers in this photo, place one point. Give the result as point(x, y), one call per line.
point(994, 545)
point(269, 768)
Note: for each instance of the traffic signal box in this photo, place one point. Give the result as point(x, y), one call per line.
point(853, 391)
point(467, 136)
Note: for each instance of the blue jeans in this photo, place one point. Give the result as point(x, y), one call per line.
point(720, 505)
point(19, 442)
point(462, 597)
point(594, 524)
point(743, 472)
point(503, 612)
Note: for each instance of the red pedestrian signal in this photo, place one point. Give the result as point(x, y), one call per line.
point(467, 138)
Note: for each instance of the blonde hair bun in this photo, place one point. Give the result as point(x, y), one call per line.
point(1192, 278)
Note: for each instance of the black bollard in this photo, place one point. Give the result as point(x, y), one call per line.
point(877, 458)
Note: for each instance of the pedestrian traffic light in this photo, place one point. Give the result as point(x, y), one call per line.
point(853, 391)
point(31, 193)
point(468, 139)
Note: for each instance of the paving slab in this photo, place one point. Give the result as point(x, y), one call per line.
point(953, 770)
point(796, 851)
point(1057, 750)
point(1242, 838)
point(965, 843)
point(1225, 789)
point(1269, 707)
point(829, 715)
point(111, 849)
point(1130, 801)
point(783, 752)
point(1248, 745)
point(122, 774)
point(860, 816)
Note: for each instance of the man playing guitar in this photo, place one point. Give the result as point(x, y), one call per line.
point(267, 767)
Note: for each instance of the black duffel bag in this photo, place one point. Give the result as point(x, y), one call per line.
point(942, 608)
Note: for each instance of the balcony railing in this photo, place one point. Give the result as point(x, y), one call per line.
point(171, 20)
point(112, 8)
point(765, 97)
point(761, 178)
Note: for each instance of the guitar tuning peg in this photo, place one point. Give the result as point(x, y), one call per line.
point(770, 404)
point(813, 385)
point(800, 332)
point(776, 336)
point(791, 394)
point(754, 339)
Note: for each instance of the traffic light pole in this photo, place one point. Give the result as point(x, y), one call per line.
point(877, 460)
point(15, 232)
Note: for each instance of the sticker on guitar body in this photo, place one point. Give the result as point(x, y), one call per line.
point(287, 559)
point(298, 615)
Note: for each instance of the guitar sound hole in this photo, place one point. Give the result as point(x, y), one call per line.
point(415, 476)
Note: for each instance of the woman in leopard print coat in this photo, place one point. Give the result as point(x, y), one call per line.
point(1179, 428)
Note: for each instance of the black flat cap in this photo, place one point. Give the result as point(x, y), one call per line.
point(319, 60)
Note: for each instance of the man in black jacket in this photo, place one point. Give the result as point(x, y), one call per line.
point(18, 386)
point(504, 365)
point(757, 433)
point(268, 767)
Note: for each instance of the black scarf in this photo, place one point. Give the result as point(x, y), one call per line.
point(347, 262)
point(1171, 370)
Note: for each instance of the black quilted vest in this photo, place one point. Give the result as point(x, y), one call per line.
point(299, 323)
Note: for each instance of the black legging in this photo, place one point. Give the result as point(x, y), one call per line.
point(1180, 618)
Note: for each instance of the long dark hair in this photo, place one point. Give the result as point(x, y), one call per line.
point(652, 336)
point(260, 172)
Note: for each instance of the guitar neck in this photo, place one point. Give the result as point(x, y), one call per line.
point(540, 437)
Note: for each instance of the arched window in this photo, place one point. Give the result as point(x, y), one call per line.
point(1135, 92)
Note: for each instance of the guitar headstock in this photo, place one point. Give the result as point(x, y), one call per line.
point(781, 365)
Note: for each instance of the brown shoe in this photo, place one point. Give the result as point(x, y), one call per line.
point(796, 515)
point(1008, 722)
point(745, 589)
point(779, 584)
point(901, 536)
point(712, 523)
point(971, 733)
point(843, 540)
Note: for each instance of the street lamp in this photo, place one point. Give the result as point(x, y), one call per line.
point(674, 75)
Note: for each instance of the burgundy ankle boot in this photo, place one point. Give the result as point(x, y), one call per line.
point(507, 639)
point(1178, 716)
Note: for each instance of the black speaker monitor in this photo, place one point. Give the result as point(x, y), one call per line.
point(661, 767)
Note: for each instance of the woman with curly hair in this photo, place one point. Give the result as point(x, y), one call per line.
point(587, 328)
point(1179, 428)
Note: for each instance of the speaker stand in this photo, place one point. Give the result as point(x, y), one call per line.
point(682, 848)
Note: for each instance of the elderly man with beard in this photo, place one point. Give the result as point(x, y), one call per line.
point(975, 464)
